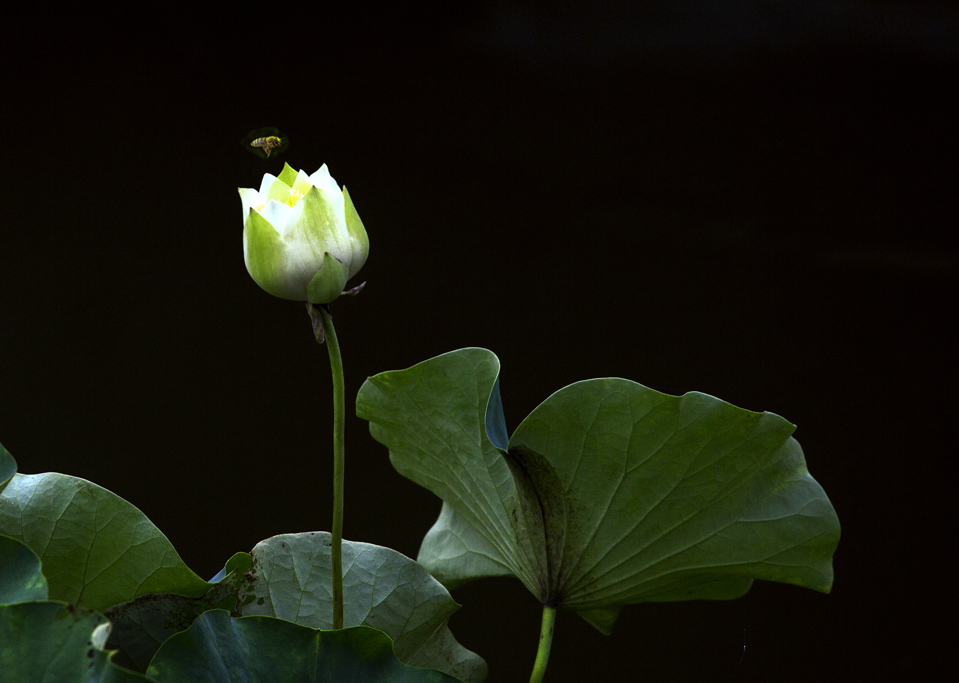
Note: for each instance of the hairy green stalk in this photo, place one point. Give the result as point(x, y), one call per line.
point(339, 456)
point(545, 644)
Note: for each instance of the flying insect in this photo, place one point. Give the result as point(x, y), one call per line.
point(265, 141)
point(267, 144)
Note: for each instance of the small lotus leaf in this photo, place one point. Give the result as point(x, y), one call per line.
point(221, 649)
point(381, 588)
point(97, 549)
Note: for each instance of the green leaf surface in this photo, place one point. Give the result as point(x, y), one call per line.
point(609, 493)
point(433, 419)
point(221, 649)
point(142, 625)
point(97, 549)
point(56, 643)
point(20, 577)
point(381, 588)
point(8, 466)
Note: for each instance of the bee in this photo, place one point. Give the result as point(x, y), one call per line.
point(264, 141)
point(267, 144)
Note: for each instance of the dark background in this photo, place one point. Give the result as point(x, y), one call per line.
point(752, 199)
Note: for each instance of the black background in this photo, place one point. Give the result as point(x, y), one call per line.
point(752, 199)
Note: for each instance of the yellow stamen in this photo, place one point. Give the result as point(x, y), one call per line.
point(294, 197)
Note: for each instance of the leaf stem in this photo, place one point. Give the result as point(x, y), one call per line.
point(545, 644)
point(339, 464)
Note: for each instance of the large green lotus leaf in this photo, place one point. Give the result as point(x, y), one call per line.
point(56, 643)
point(381, 588)
point(221, 649)
point(97, 549)
point(433, 418)
point(624, 494)
point(8, 466)
point(20, 577)
point(142, 625)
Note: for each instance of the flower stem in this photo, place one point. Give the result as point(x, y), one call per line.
point(339, 464)
point(545, 643)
